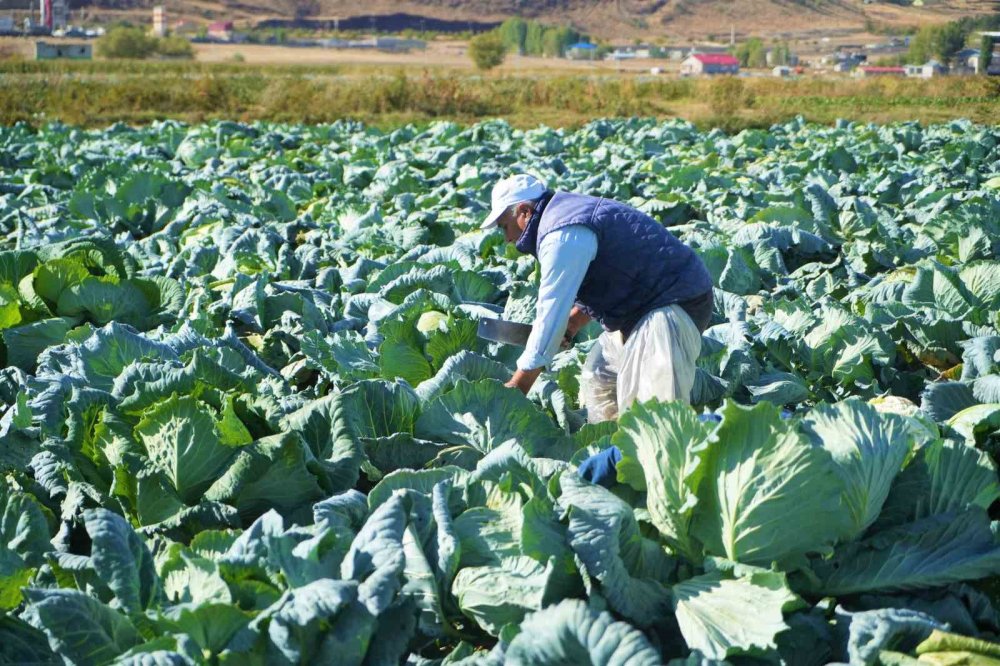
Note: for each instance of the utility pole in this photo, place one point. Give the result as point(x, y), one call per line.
point(732, 34)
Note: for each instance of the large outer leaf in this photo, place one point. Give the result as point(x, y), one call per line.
point(943, 477)
point(182, 441)
point(939, 287)
point(463, 365)
point(15, 264)
point(942, 400)
point(274, 472)
point(495, 596)
point(719, 616)
point(869, 449)
point(401, 353)
point(944, 549)
point(20, 643)
point(78, 626)
point(210, 625)
point(974, 423)
point(104, 300)
point(571, 633)
point(25, 343)
point(102, 356)
point(662, 445)
point(376, 559)
point(768, 494)
point(122, 560)
point(983, 280)
point(484, 415)
point(378, 408)
point(24, 528)
point(319, 623)
point(632, 569)
point(870, 632)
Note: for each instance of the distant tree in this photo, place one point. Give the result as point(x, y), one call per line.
point(949, 40)
point(751, 53)
point(921, 46)
point(937, 41)
point(782, 54)
point(487, 50)
point(533, 38)
point(556, 39)
point(985, 54)
point(513, 32)
point(125, 42)
point(174, 47)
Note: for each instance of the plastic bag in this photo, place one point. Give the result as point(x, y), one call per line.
point(657, 361)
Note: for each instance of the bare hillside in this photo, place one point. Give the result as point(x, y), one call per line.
point(605, 18)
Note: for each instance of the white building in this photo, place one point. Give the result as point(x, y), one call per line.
point(932, 69)
point(710, 63)
point(159, 21)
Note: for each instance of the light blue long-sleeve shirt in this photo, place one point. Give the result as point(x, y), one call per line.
point(563, 258)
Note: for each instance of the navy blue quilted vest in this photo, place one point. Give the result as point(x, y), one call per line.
point(639, 267)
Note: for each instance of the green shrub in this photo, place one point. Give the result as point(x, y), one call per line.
point(726, 96)
point(175, 47)
point(125, 42)
point(487, 50)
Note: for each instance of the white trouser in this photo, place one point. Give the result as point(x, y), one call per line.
point(657, 361)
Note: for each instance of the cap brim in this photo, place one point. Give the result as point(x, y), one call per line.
point(492, 218)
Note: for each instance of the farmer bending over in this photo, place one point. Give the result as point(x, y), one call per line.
point(603, 260)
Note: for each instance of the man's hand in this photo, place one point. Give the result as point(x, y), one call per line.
point(523, 380)
point(577, 320)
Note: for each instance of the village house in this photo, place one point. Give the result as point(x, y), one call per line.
point(871, 72)
point(50, 51)
point(224, 31)
point(710, 63)
point(966, 61)
point(581, 51)
point(932, 69)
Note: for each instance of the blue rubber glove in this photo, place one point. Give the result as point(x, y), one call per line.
point(600, 467)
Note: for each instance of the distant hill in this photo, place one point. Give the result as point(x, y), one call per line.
point(605, 18)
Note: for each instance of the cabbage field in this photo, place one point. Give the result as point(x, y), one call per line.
point(246, 418)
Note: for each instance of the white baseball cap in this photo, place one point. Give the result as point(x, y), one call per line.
point(512, 190)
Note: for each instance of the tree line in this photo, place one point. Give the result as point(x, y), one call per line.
point(537, 39)
point(945, 40)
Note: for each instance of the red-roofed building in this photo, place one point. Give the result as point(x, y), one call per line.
point(881, 71)
point(224, 31)
point(710, 63)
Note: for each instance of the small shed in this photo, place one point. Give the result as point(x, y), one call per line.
point(582, 51)
point(50, 51)
point(933, 68)
point(782, 71)
point(710, 63)
point(869, 72)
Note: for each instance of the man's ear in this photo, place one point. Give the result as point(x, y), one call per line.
point(524, 209)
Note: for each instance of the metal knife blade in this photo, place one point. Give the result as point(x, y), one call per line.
point(507, 332)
